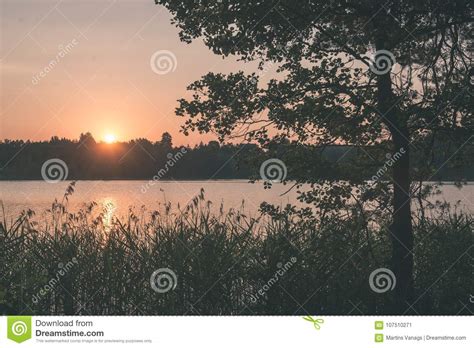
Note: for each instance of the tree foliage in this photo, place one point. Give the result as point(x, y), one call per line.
point(396, 75)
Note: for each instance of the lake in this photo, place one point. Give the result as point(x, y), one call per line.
point(121, 195)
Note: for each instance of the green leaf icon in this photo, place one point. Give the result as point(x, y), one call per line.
point(19, 328)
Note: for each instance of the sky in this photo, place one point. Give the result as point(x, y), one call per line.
point(73, 66)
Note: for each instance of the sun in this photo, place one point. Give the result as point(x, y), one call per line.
point(110, 138)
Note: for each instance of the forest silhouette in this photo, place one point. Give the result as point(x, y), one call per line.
point(143, 159)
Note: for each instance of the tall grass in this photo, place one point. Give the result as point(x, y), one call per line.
point(222, 261)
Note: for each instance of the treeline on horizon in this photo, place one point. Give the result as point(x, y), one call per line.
point(142, 159)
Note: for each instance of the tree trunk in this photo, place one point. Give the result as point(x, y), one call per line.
point(401, 231)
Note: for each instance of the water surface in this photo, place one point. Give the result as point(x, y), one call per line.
point(122, 195)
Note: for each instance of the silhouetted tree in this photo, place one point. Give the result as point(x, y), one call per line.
point(86, 139)
point(338, 85)
point(166, 141)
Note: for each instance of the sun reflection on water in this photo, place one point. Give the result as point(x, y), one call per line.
point(109, 206)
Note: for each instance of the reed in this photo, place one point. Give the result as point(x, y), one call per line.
point(284, 262)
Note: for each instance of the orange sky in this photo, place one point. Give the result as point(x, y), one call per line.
point(74, 66)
